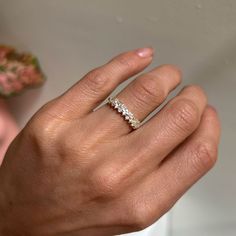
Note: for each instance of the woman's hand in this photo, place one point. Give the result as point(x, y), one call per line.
point(76, 171)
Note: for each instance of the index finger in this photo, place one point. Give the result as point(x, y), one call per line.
point(95, 86)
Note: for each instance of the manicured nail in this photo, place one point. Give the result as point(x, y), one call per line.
point(145, 52)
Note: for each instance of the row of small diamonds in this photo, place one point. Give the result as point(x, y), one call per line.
point(123, 110)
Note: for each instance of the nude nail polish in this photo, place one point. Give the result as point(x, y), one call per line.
point(145, 52)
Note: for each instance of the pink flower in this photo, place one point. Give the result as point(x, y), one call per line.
point(18, 71)
point(3, 78)
point(4, 83)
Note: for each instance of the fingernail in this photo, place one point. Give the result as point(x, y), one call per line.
point(145, 52)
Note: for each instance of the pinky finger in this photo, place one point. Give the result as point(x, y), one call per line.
point(177, 173)
point(195, 157)
point(189, 162)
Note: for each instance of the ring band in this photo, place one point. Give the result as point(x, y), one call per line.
point(123, 110)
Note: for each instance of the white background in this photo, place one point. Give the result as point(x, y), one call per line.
point(73, 36)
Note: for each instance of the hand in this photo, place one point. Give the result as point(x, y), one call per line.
point(76, 171)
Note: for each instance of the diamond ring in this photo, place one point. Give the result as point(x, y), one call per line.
point(123, 110)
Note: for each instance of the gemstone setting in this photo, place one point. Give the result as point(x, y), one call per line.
point(124, 111)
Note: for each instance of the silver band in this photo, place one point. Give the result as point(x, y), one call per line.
point(123, 110)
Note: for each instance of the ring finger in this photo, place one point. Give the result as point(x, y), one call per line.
point(141, 96)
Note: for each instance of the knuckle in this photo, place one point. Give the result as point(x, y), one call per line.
point(204, 156)
point(106, 183)
point(67, 147)
point(96, 79)
point(185, 115)
point(76, 147)
point(197, 91)
point(146, 90)
point(42, 134)
point(139, 217)
point(173, 70)
point(35, 128)
point(124, 62)
point(45, 129)
point(31, 135)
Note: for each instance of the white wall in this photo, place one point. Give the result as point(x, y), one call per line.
point(72, 36)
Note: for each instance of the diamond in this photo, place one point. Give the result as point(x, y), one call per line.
point(124, 111)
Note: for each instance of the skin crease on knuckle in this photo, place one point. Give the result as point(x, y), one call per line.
point(139, 213)
point(125, 63)
point(183, 117)
point(146, 90)
point(203, 156)
point(171, 71)
point(140, 216)
point(96, 80)
point(109, 179)
point(153, 87)
point(99, 79)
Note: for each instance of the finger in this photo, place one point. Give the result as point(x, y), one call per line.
point(95, 86)
point(161, 189)
point(171, 126)
point(141, 96)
